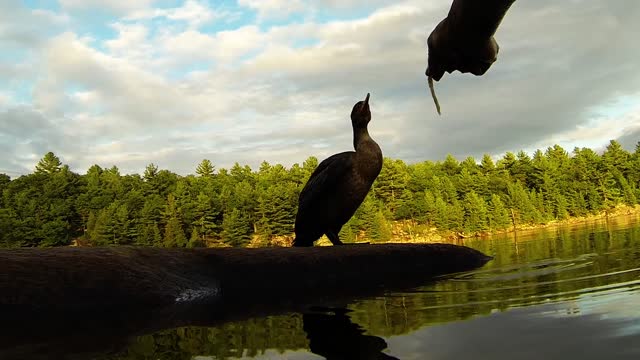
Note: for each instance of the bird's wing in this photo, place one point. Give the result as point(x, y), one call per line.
point(326, 176)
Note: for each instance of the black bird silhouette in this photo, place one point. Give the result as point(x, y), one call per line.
point(339, 184)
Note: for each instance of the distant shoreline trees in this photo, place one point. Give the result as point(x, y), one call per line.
point(53, 205)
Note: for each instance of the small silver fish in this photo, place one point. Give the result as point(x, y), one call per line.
point(433, 94)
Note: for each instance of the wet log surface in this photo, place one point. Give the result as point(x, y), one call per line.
point(114, 293)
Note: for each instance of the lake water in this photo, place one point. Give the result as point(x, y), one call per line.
point(562, 293)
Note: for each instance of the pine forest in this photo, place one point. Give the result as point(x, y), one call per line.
point(54, 206)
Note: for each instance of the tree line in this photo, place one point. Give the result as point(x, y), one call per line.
point(54, 206)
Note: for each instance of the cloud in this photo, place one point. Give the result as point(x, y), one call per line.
point(223, 47)
point(194, 13)
point(273, 8)
point(351, 4)
point(173, 94)
point(26, 135)
point(25, 28)
point(630, 138)
point(117, 6)
point(622, 126)
point(5, 99)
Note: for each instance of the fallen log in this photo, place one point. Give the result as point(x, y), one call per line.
point(116, 277)
point(101, 297)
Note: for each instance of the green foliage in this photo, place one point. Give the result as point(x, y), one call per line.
point(391, 182)
point(205, 168)
point(49, 164)
point(54, 205)
point(497, 216)
point(381, 228)
point(236, 230)
point(195, 240)
point(475, 213)
point(173, 232)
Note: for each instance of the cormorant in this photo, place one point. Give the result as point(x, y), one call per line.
point(339, 184)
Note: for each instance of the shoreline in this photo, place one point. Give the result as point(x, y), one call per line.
point(409, 232)
point(405, 232)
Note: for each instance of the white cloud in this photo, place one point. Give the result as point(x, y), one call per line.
point(25, 28)
point(195, 13)
point(273, 8)
point(591, 134)
point(131, 43)
point(5, 99)
point(118, 6)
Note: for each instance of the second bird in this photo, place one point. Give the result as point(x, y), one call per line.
point(339, 184)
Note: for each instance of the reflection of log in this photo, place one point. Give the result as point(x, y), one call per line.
point(95, 294)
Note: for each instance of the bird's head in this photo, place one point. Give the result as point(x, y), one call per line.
point(361, 114)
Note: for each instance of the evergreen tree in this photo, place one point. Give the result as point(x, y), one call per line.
point(276, 210)
point(205, 216)
point(487, 165)
point(380, 230)
point(408, 206)
point(195, 240)
point(441, 213)
point(150, 172)
point(9, 229)
point(390, 183)
point(349, 231)
point(615, 157)
point(102, 233)
point(173, 234)
point(450, 165)
point(498, 217)
point(145, 235)
point(475, 213)
point(49, 164)
point(235, 228)
point(205, 168)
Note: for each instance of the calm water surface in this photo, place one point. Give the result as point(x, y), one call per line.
point(570, 292)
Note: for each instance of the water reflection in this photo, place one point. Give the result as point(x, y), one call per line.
point(333, 335)
point(544, 332)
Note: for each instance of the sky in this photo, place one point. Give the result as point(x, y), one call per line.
point(172, 82)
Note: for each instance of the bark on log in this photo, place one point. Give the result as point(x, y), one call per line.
point(115, 277)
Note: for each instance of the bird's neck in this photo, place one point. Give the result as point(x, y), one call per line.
point(361, 137)
point(368, 154)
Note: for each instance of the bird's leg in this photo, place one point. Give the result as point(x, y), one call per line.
point(334, 238)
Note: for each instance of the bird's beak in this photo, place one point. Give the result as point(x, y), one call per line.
point(365, 103)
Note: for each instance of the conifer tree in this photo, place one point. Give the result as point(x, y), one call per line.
point(475, 213)
point(205, 168)
point(49, 164)
point(497, 215)
point(235, 228)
